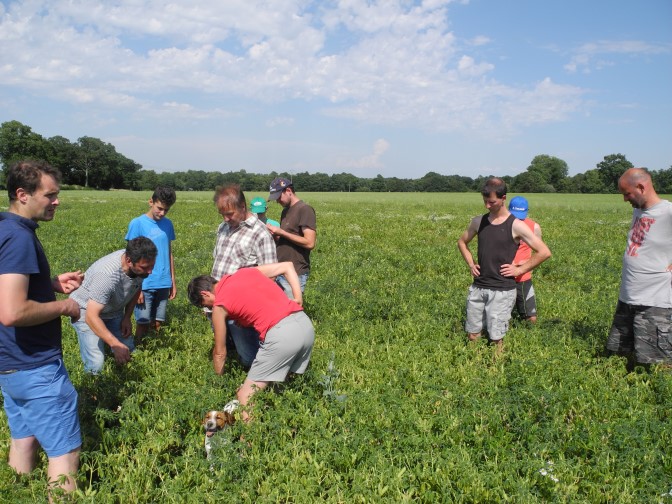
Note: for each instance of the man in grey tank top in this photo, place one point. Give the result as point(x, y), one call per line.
point(493, 293)
point(641, 327)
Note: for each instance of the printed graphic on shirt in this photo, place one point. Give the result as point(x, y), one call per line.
point(640, 228)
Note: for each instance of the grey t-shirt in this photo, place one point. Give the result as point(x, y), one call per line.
point(645, 280)
point(106, 283)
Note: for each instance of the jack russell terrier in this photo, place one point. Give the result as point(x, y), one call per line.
point(214, 421)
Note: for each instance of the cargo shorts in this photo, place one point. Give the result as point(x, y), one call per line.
point(644, 330)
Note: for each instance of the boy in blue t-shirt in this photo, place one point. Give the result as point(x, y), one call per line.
point(160, 286)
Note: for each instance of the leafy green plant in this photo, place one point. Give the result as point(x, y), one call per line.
point(395, 405)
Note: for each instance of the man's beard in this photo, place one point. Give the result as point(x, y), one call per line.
point(132, 274)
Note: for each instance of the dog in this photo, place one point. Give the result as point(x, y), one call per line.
point(215, 421)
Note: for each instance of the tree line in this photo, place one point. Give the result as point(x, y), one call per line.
point(91, 163)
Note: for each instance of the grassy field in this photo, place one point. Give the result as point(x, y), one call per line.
point(396, 406)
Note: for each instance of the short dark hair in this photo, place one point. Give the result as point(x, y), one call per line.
point(140, 248)
point(197, 285)
point(494, 184)
point(27, 175)
point(165, 195)
point(233, 196)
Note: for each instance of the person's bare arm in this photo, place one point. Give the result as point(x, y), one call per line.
point(463, 246)
point(306, 241)
point(126, 324)
point(219, 350)
point(16, 310)
point(93, 310)
point(173, 284)
point(520, 231)
point(289, 272)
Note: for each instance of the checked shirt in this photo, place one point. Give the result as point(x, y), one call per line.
point(249, 244)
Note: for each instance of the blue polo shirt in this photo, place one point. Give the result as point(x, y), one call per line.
point(21, 253)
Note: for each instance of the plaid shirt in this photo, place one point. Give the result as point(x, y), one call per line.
point(250, 244)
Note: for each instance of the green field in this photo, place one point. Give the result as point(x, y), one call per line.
point(396, 406)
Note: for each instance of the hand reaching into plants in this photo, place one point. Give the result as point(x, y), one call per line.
point(121, 353)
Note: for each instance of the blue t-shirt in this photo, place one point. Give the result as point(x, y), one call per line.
point(161, 232)
point(21, 253)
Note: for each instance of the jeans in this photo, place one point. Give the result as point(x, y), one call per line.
point(92, 348)
point(284, 284)
point(154, 306)
point(246, 340)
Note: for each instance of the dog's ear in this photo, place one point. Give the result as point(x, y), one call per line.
point(229, 419)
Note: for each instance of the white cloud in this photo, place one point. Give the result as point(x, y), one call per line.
point(594, 55)
point(387, 62)
point(370, 161)
point(279, 121)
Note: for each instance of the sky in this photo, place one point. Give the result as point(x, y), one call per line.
point(396, 88)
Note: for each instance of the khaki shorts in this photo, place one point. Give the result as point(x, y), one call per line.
point(490, 309)
point(286, 348)
point(644, 330)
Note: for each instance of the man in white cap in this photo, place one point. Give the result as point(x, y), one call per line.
point(526, 304)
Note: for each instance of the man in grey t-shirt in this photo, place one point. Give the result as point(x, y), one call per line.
point(641, 327)
point(106, 300)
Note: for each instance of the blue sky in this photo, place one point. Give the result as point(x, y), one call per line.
point(397, 88)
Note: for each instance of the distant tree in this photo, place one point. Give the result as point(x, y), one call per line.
point(379, 184)
point(215, 179)
point(344, 182)
point(433, 182)
point(553, 170)
point(399, 185)
point(63, 155)
point(91, 161)
point(98, 164)
point(147, 180)
point(662, 180)
point(591, 183)
point(17, 141)
point(611, 169)
point(196, 180)
point(528, 182)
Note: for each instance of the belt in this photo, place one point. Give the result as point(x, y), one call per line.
point(9, 371)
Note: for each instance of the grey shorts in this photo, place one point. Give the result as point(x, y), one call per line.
point(490, 309)
point(286, 348)
point(644, 330)
point(526, 304)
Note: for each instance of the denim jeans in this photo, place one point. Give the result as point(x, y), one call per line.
point(246, 340)
point(92, 348)
point(154, 306)
point(284, 284)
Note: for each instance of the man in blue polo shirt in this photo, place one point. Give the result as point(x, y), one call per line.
point(39, 399)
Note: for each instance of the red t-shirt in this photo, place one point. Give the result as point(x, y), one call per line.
point(253, 300)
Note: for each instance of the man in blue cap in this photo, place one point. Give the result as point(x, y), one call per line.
point(526, 304)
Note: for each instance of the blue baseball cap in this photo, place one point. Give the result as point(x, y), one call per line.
point(519, 207)
point(278, 185)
